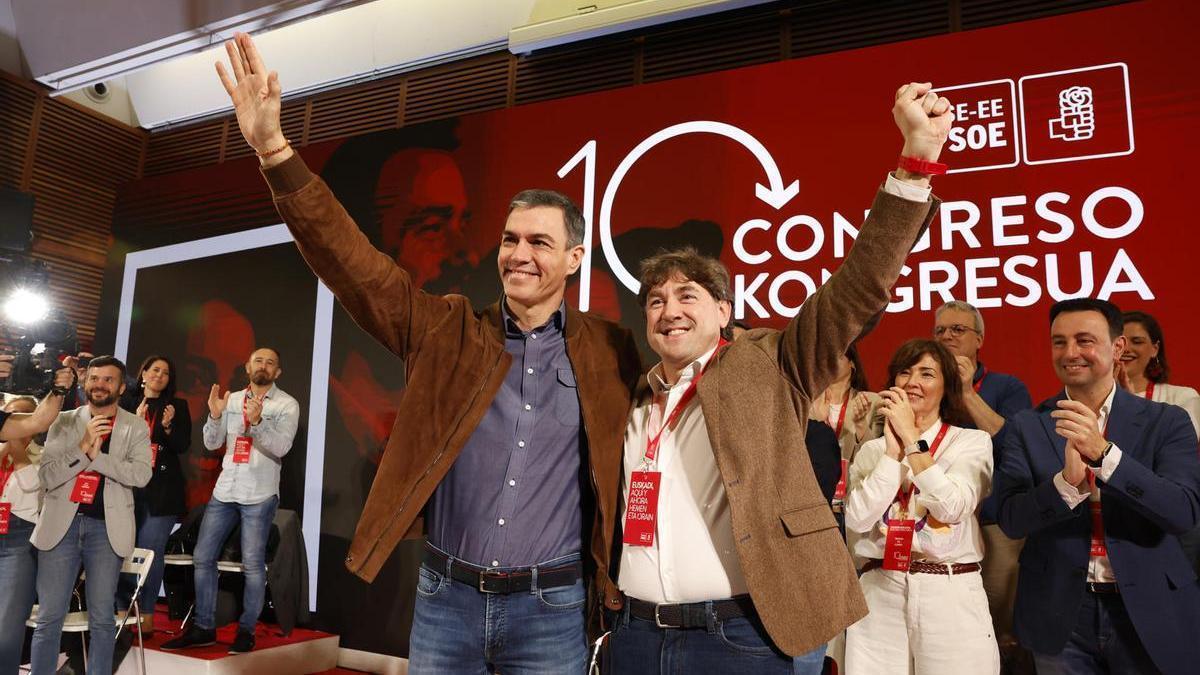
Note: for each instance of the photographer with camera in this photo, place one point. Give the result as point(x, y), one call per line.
point(21, 496)
point(21, 425)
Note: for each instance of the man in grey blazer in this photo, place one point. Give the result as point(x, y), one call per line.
point(94, 456)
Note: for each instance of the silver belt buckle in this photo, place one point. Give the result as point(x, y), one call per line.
point(658, 620)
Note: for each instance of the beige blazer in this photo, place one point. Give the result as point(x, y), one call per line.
point(126, 466)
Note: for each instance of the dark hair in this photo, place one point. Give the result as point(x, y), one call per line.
point(1110, 312)
point(1160, 372)
point(572, 216)
point(168, 392)
point(858, 374)
point(691, 264)
point(105, 361)
point(952, 408)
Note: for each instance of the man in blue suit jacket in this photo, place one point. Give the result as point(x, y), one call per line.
point(1100, 482)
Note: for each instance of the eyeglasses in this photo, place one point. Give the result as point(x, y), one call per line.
point(957, 330)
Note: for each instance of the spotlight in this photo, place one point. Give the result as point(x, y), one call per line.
point(25, 307)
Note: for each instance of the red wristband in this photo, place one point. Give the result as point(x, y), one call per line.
point(922, 166)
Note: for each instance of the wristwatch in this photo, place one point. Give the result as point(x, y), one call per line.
point(918, 447)
point(1096, 463)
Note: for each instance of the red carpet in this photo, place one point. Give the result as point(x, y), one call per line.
point(265, 636)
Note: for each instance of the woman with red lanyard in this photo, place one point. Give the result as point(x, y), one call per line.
point(913, 495)
point(19, 506)
point(1144, 363)
point(161, 503)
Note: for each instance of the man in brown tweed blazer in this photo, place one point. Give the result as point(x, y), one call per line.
point(731, 558)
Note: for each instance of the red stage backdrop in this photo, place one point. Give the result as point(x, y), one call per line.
point(1071, 169)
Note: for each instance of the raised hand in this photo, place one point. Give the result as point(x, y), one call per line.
point(966, 372)
point(256, 94)
point(900, 416)
point(861, 411)
point(98, 428)
point(64, 378)
point(254, 408)
point(142, 408)
point(1074, 470)
point(168, 416)
point(924, 118)
point(217, 402)
point(1078, 424)
point(1122, 376)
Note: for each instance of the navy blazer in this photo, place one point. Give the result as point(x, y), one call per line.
point(1154, 495)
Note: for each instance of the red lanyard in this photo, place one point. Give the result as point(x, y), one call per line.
point(837, 431)
point(7, 472)
point(653, 442)
point(151, 418)
point(979, 383)
point(1149, 392)
point(903, 496)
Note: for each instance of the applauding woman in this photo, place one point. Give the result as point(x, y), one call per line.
point(913, 495)
point(161, 502)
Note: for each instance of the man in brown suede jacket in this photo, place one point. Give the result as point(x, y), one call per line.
point(731, 559)
point(510, 416)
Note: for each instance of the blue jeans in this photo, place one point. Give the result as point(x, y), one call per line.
point(18, 567)
point(86, 541)
point(219, 520)
point(458, 629)
point(738, 645)
point(1104, 641)
point(152, 533)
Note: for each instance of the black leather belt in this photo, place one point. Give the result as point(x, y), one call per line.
point(509, 581)
point(692, 614)
point(1106, 588)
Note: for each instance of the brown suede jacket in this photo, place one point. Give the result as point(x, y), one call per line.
point(756, 396)
point(455, 363)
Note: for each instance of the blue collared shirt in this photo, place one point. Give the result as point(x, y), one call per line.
point(513, 496)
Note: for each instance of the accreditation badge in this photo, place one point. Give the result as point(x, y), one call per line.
point(241, 449)
point(86, 485)
point(641, 508)
point(897, 552)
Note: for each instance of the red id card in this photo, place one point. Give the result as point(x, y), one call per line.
point(839, 492)
point(1099, 547)
point(86, 484)
point(641, 508)
point(897, 553)
point(241, 450)
point(5, 512)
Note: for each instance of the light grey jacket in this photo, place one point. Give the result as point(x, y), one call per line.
point(126, 466)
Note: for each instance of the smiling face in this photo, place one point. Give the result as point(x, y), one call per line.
point(155, 378)
point(1082, 351)
point(683, 321)
point(103, 385)
point(534, 260)
point(924, 384)
point(1139, 349)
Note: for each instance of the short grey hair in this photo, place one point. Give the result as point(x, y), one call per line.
point(962, 307)
point(572, 217)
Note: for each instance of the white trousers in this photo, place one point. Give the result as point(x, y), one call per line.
point(922, 624)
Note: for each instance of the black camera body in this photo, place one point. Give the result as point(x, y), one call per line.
point(37, 353)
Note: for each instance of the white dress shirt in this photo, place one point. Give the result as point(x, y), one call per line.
point(946, 529)
point(255, 481)
point(1099, 567)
